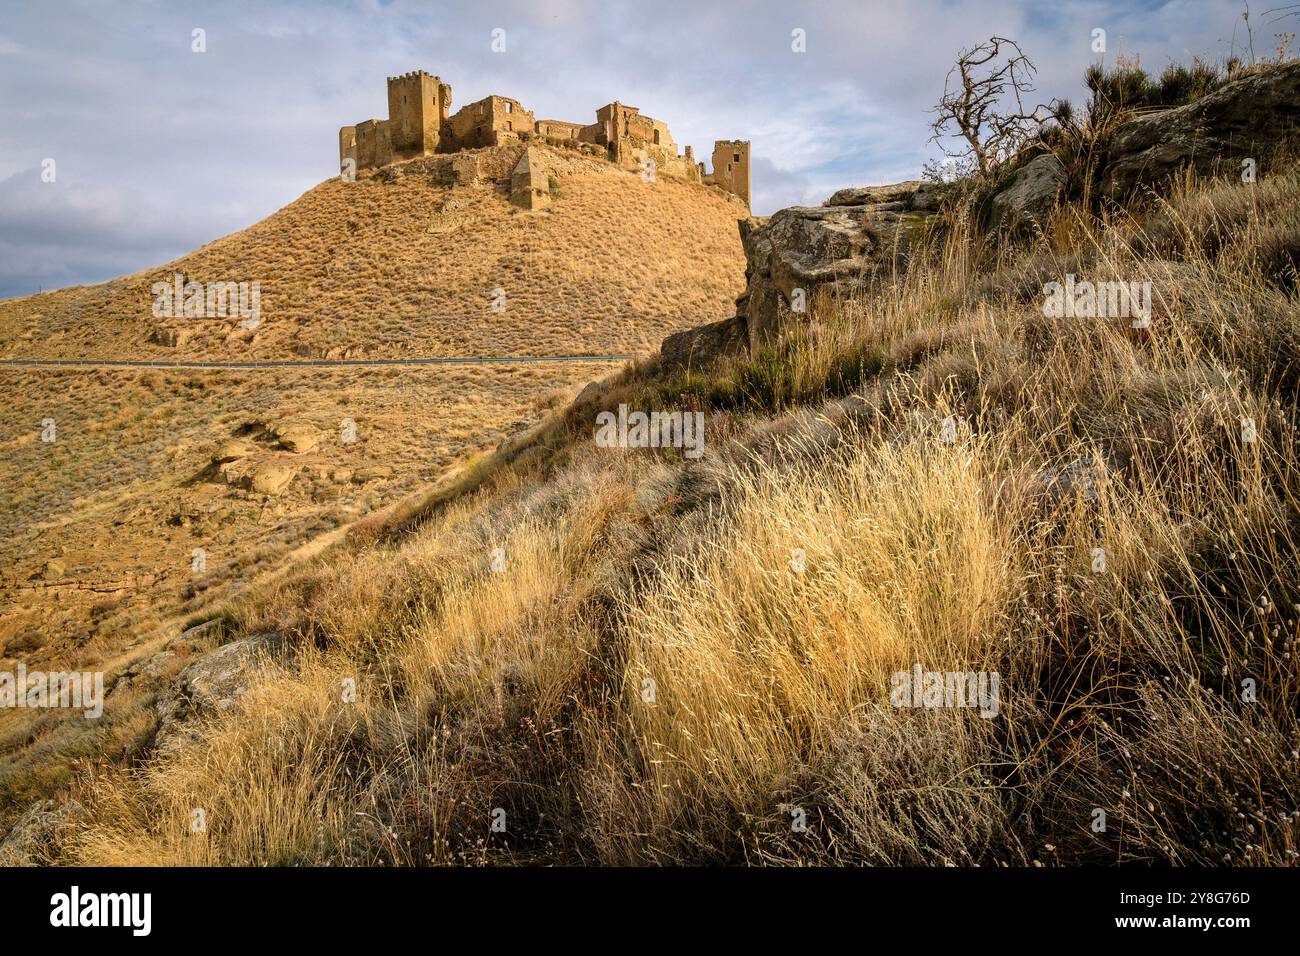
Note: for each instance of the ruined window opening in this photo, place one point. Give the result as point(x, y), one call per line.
point(656, 137)
point(735, 158)
point(510, 107)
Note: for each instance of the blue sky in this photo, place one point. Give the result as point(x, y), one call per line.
point(159, 149)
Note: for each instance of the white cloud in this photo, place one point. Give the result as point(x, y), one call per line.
point(138, 121)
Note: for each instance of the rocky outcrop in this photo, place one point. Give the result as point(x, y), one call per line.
point(164, 664)
point(262, 477)
point(1244, 119)
point(295, 437)
point(211, 686)
point(173, 337)
point(1024, 204)
point(264, 459)
point(372, 473)
point(797, 253)
point(906, 193)
point(35, 838)
point(699, 347)
point(234, 450)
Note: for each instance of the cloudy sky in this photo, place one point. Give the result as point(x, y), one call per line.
point(158, 149)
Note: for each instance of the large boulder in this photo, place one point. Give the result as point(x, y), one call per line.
point(211, 686)
point(296, 437)
point(797, 252)
point(1244, 119)
point(703, 345)
point(35, 838)
point(262, 476)
point(869, 195)
point(1025, 202)
point(165, 663)
point(234, 450)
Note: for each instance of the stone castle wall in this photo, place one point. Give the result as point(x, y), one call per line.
point(731, 167)
point(492, 121)
point(420, 123)
point(559, 129)
point(373, 146)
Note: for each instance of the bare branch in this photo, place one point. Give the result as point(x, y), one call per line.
point(984, 103)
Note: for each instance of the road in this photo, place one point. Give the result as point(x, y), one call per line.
point(303, 363)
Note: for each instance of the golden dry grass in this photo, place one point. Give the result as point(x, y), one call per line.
point(524, 690)
point(401, 268)
point(383, 268)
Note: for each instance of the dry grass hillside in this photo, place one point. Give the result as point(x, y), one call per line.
point(627, 656)
point(395, 265)
point(258, 468)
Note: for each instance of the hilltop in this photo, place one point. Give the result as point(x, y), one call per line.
point(134, 500)
point(407, 263)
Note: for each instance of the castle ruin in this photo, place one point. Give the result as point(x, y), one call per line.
point(420, 123)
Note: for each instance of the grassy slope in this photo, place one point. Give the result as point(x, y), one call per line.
point(1121, 690)
point(128, 490)
point(394, 269)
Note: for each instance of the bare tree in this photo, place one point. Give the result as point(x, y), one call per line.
point(984, 104)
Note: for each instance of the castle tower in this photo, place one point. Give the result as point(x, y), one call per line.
point(731, 166)
point(374, 147)
point(347, 146)
point(418, 105)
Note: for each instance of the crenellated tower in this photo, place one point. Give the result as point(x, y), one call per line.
point(418, 105)
point(731, 166)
